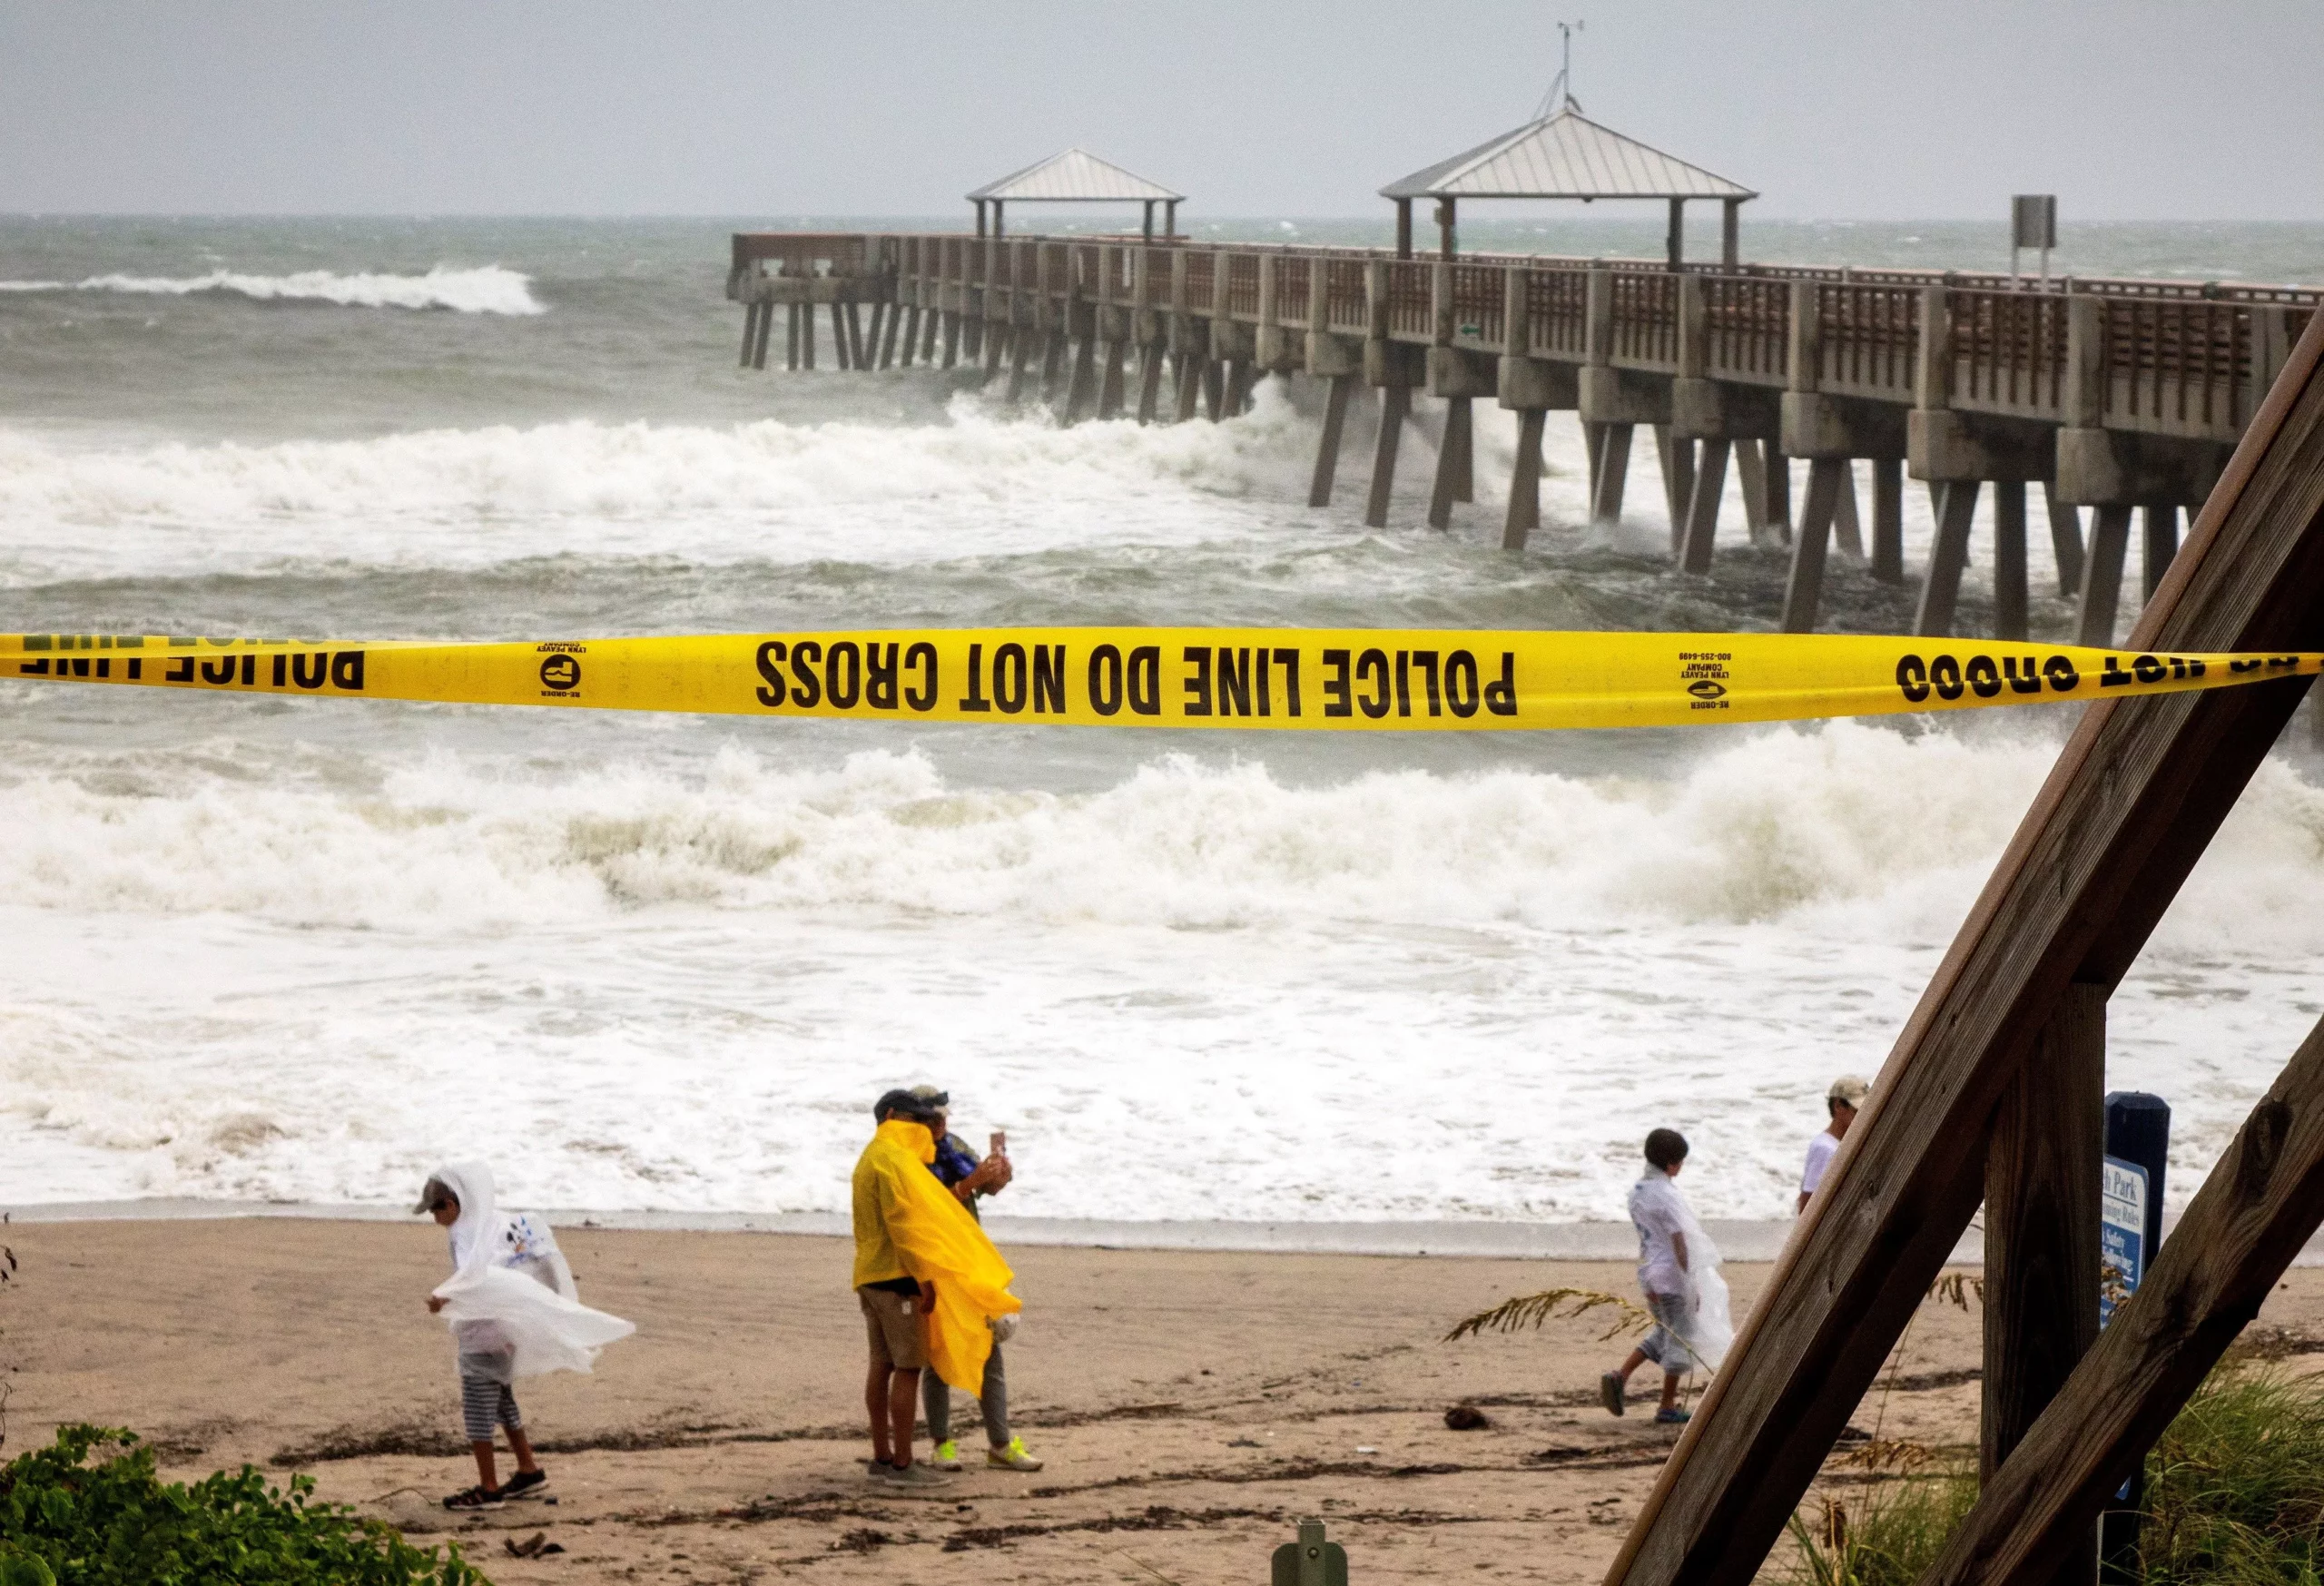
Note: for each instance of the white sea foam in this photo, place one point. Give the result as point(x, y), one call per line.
point(985, 483)
point(489, 288)
point(677, 988)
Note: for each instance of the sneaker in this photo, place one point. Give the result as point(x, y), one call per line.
point(525, 1485)
point(947, 1456)
point(1674, 1416)
point(913, 1478)
point(1609, 1392)
point(1012, 1458)
point(474, 1498)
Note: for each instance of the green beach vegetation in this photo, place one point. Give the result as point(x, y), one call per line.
point(90, 1511)
point(2234, 1497)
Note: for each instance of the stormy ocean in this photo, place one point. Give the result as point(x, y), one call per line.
point(270, 949)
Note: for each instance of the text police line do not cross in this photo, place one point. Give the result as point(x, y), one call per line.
point(1221, 680)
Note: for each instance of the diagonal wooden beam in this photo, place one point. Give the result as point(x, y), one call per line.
point(2243, 1228)
point(2134, 797)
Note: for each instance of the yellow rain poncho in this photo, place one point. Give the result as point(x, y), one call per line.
point(908, 1225)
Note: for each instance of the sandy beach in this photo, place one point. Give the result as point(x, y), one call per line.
point(1192, 1408)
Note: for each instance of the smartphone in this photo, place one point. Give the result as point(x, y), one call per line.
point(999, 1143)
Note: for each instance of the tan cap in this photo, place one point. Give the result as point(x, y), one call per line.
point(1847, 1087)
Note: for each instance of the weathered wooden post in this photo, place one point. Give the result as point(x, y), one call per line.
point(2042, 1187)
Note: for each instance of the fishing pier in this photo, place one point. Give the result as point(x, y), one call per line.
point(2114, 395)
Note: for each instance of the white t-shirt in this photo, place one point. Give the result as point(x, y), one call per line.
point(1655, 1212)
point(1820, 1151)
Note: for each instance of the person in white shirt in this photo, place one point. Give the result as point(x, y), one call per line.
point(1847, 1095)
point(1678, 1271)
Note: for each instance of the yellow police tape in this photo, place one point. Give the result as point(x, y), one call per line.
point(1330, 679)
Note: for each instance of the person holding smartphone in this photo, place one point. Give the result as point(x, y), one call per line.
point(959, 1170)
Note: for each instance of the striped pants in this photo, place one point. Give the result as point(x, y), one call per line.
point(485, 1404)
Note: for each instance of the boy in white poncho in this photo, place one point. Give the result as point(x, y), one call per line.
point(1678, 1271)
point(514, 1312)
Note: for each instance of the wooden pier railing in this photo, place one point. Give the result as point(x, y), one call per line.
point(2111, 394)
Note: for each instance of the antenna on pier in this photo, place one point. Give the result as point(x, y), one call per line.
point(1561, 94)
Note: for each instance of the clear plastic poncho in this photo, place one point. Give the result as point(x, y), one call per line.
point(1710, 1331)
point(511, 1301)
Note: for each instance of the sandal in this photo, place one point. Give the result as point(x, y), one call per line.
point(475, 1497)
point(525, 1485)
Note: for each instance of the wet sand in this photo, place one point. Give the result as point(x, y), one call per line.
point(1192, 1408)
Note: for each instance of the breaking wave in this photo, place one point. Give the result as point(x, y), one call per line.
point(458, 497)
point(484, 289)
point(1842, 827)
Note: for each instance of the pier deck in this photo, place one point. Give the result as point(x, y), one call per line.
point(2112, 394)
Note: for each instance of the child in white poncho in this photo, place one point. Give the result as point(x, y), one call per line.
point(1679, 1272)
point(514, 1312)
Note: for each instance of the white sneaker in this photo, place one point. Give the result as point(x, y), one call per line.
point(914, 1478)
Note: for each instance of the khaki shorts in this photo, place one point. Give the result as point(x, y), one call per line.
point(897, 1327)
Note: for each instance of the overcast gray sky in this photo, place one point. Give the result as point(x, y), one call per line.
point(1868, 109)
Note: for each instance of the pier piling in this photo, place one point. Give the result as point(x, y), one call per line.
point(1702, 506)
point(2065, 539)
point(1847, 529)
point(1613, 472)
point(1328, 446)
point(1948, 558)
point(1804, 588)
point(2010, 595)
point(1888, 519)
point(1396, 402)
point(1751, 479)
point(1524, 514)
point(2102, 574)
point(2159, 542)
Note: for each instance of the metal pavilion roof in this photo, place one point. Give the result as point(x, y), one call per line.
point(1564, 155)
point(1075, 176)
